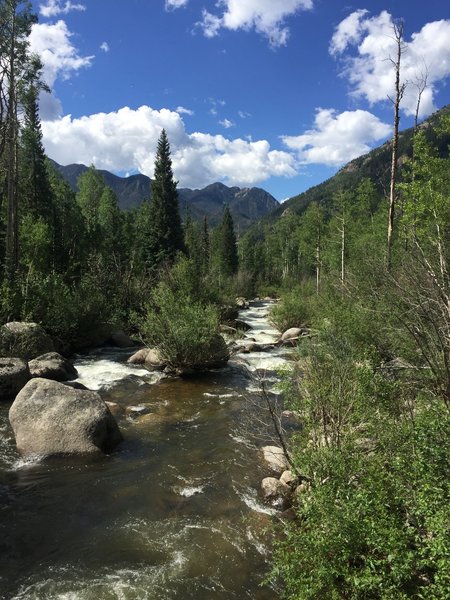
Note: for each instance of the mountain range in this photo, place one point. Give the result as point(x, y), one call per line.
point(247, 205)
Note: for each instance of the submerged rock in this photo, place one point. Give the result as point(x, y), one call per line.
point(275, 459)
point(14, 374)
point(50, 418)
point(52, 366)
point(24, 340)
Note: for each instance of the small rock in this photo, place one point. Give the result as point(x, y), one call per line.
point(14, 374)
point(289, 334)
point(136, 411)
point(242, 325)
point(241, 303)
point(275, 459)
point(275, 493)
point(52, 366)
point(288, 478)
point(301, 489)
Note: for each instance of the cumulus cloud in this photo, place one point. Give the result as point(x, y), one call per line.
point(127, 139)
point(367, 43)
point(104, 47)
point(337, 137)
point(264, 16)
point(53, 8)
point(60, 59)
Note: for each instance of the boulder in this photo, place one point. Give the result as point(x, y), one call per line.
point(115, 409)
point(275, 459)
point(24, 340)
point(49, 418)
point(154, 360)
point(276, 493)
point(14, 374)
point(52, 366)
point(228, 313)
point(289, 334)
point(138, 358)
point(121, 339)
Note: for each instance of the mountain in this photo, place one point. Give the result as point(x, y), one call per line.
point(247, 205)
point(376, 165)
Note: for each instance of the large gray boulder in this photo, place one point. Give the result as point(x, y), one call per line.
point(120, 339)
point(49, 418)
point(24, 340)
point(275, 459)
point(14, 374)
point(52, 366)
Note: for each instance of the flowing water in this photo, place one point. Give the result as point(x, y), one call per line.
point(173, 513)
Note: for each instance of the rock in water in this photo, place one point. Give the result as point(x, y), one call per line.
point(50, 418)
point(275, 459)
point(24, 340)
point(275, 493)
point(14, 374)
point(52, 366)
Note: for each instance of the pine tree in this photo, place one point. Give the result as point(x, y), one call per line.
point(165, 235)
point(228, 256)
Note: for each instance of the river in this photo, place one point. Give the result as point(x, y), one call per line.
point(173, 513)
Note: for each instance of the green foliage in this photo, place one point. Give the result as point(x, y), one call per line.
point(183, 328)
point(164, 234)
point(296, 307)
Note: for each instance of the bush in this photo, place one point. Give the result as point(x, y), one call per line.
point(184, 330)
point(296, 307)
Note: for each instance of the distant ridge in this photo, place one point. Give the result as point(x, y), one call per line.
point(375, 165)
point(247, 205)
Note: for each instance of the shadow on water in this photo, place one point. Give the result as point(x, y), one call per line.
point(172, 514)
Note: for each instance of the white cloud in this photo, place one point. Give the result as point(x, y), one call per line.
point(126, 140)
point(243, 114)
point(181, 110)
point(60, 59)
point(367, 43)
point(227, 123)
point(104, 46)
point(174, 4)
point(337, 137)
point(267, 17)
point(53, 8)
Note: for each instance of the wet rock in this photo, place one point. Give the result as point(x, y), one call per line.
point(290, 420)
point(288, 478)
point(138, 358)
point(275, 493)
point(14, 374)
point(241, 303)
point(24, 340)
point(154, 360)
point(275, 459)
point(115, 409)
point(52, 366)
point(121, 339)
point(49, 418)
point(242, 325)
point(136, 411)
point(76, 385)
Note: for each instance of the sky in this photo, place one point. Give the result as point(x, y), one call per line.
point(277, 94)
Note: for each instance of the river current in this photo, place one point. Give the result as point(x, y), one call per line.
point(173, 513)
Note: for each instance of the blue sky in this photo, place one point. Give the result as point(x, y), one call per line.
point(273, 93)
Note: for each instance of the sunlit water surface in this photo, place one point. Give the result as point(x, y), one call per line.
point(173, 513)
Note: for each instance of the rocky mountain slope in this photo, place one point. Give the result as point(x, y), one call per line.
point(247, 205)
